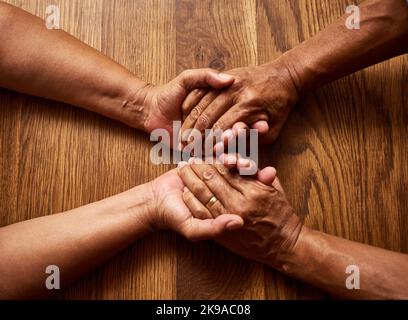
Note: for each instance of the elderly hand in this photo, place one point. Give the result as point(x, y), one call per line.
point(271, 226)
point(260, 96)
point(158, 106)
point(170, 212)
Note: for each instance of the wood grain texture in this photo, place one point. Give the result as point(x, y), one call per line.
point(342, 156)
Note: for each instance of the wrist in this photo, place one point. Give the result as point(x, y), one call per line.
point(134, 107)
point(280, 72)
point(141, 205)
point(296, 258)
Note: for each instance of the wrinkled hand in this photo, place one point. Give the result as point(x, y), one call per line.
point(271, 227)
point(161, 105)
point(260, 96)
point(171, 213)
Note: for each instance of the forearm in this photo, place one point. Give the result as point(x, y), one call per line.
point(76, 241)
point(54, 65)
point(322, 260)
point(337, 51)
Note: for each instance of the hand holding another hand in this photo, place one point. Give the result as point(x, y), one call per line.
point(260, 96)
point(170, 212)
point(157, 106)
point(271, 227)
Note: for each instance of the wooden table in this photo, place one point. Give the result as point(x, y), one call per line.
point(342, 155)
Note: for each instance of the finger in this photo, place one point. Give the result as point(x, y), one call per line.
point(195, 229)
point(192, 117)
point(267, 175)
point(201, 191)
point(246, 167)
point(240, 112)
point(195, 206)
point(277, 185)
point(181, 164)
point(239, 126)
point(213, 112)
point(216, 182)
point(229, 160)
point(262, 126)
point(192, 100)
point(195, 184)
point(226, 137)
point(200, 78)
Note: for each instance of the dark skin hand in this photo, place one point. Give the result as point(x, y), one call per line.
point(263, 96)
point(258, 95)
point(274, 234)
point(265, 235)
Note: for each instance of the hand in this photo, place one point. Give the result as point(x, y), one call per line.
point(260, 96)
point(161, 105)
point(170, 212)
point(271, 227)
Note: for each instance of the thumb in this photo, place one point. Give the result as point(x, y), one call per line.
point(277, 185)
point(266, 175)
point(197, 229)
point(201, 78)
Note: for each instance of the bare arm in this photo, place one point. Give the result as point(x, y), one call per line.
point(75, 241)
point(78, 240)
point(54, 65)
point(337, 50)
point(322, 260)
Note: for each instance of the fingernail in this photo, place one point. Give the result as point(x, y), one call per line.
point(219, 147)
point(185, 189)
point(221, 158)
point(233, 225)
point(231, 159)
point(229, 134)
point(244, 162)
point(224, 76)
point(185, 135)
point(181, 164)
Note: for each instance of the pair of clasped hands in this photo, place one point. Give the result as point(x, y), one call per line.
point(247, 214)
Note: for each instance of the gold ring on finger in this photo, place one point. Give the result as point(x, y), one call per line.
point(211, 202)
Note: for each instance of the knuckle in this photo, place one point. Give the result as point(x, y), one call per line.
point(250, 95)
point(187, 73)
point(222, 169)
point(195, 113)
point(203, 121)
point(219, 125)
point(252, 194)
point(245, 111)
point(209, 174)
point(187, 196)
